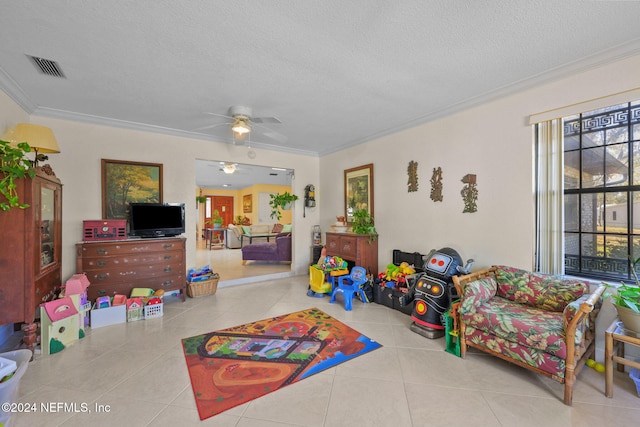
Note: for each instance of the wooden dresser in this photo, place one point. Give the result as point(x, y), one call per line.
point(357, 248)
point(116, 267)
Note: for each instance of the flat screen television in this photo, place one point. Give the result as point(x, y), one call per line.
point(156, 219)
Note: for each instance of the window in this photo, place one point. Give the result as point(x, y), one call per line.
point(602, 191)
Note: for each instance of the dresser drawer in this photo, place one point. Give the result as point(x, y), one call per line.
point(132, 272)
point(128, 247)
point(347, 247)
point(116, 261)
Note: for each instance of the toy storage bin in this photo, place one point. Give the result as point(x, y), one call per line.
point(9, 388)
point(108, 316)
point(634, 374)
point(412, 258)
point(205, 287)
point(153, 310)
point(383, 295)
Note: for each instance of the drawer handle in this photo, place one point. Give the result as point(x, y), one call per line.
point(102, 276)
point(167, 269)
point(102, 251)
point(168, 246)
point(167, 283)
point(102, 263)
point(167, 257)
point(102, 292)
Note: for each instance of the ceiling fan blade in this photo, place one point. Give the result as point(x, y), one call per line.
point(270, 133)
point(274, 120)
point(275, 135)
point(211, 126)
point(219, 115)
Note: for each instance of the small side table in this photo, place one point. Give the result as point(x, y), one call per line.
point(615, 337)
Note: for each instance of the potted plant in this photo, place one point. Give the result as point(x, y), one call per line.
point(201, 199)
point(626, 300)
point(281, 202)
point(13, 166)
point(363, 224)
point(217, 219)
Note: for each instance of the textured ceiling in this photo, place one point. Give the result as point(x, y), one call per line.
point(336, 73)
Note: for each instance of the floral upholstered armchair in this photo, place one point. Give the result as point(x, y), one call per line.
point(537, 321)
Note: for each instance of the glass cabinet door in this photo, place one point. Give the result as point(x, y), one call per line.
point(48, 229)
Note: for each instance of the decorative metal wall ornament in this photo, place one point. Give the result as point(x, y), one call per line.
point(436, 185)
point(412, 170)
point(469, 193)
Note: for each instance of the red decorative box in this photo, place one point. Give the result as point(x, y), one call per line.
point(104, 229)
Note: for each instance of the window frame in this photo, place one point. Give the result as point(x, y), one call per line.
point(615, 268)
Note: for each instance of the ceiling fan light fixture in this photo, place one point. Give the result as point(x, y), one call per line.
point(240, 126)
point(229, 168)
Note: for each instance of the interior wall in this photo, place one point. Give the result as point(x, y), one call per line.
point(83, 145)
point(493, 141)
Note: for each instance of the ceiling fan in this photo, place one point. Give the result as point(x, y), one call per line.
point(242, 123)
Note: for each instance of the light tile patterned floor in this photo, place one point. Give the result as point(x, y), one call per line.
point(138, 370)
point(228, 263)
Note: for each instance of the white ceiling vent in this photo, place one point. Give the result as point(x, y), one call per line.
point(47, 66)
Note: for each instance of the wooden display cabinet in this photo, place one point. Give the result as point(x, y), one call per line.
point(31, 249)
point(361, 249)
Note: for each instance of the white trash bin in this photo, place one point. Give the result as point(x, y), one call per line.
point(9, 388)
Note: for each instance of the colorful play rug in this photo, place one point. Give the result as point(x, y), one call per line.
point(233, 366)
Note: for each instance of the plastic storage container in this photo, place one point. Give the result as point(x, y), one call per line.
point(634, 374)
point(9, 388)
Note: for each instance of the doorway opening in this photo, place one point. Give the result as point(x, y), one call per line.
point(240, 198)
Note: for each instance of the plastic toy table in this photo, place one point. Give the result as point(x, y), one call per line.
point(615, 338)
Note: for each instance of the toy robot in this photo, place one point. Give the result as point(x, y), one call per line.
point(432, 290)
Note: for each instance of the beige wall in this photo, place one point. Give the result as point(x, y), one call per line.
point(83, 145)
point(492, 141)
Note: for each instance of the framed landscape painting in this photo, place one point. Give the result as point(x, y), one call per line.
point(358, 190)
point(129, 182)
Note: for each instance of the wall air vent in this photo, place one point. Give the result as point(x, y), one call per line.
point(47, 66)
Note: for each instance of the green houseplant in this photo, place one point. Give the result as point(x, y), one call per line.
point(626, 300)
point(362, 223)
point(217, 219)
point(280, 202)
point(13, 166)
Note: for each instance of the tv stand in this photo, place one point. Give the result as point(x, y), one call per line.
point(117, 266)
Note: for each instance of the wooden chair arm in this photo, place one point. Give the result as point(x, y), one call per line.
point(461, 281)
point(585, 308)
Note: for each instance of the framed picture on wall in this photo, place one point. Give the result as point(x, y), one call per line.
point(358, 190)
point(129, 182)
point(247, 203)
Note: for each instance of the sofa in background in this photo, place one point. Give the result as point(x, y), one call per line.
point(232, 237)
point(540, 322)
point(278, 249)
point(250, 232)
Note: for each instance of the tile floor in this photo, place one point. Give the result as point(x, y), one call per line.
point(137, 370)
point(228, 263)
